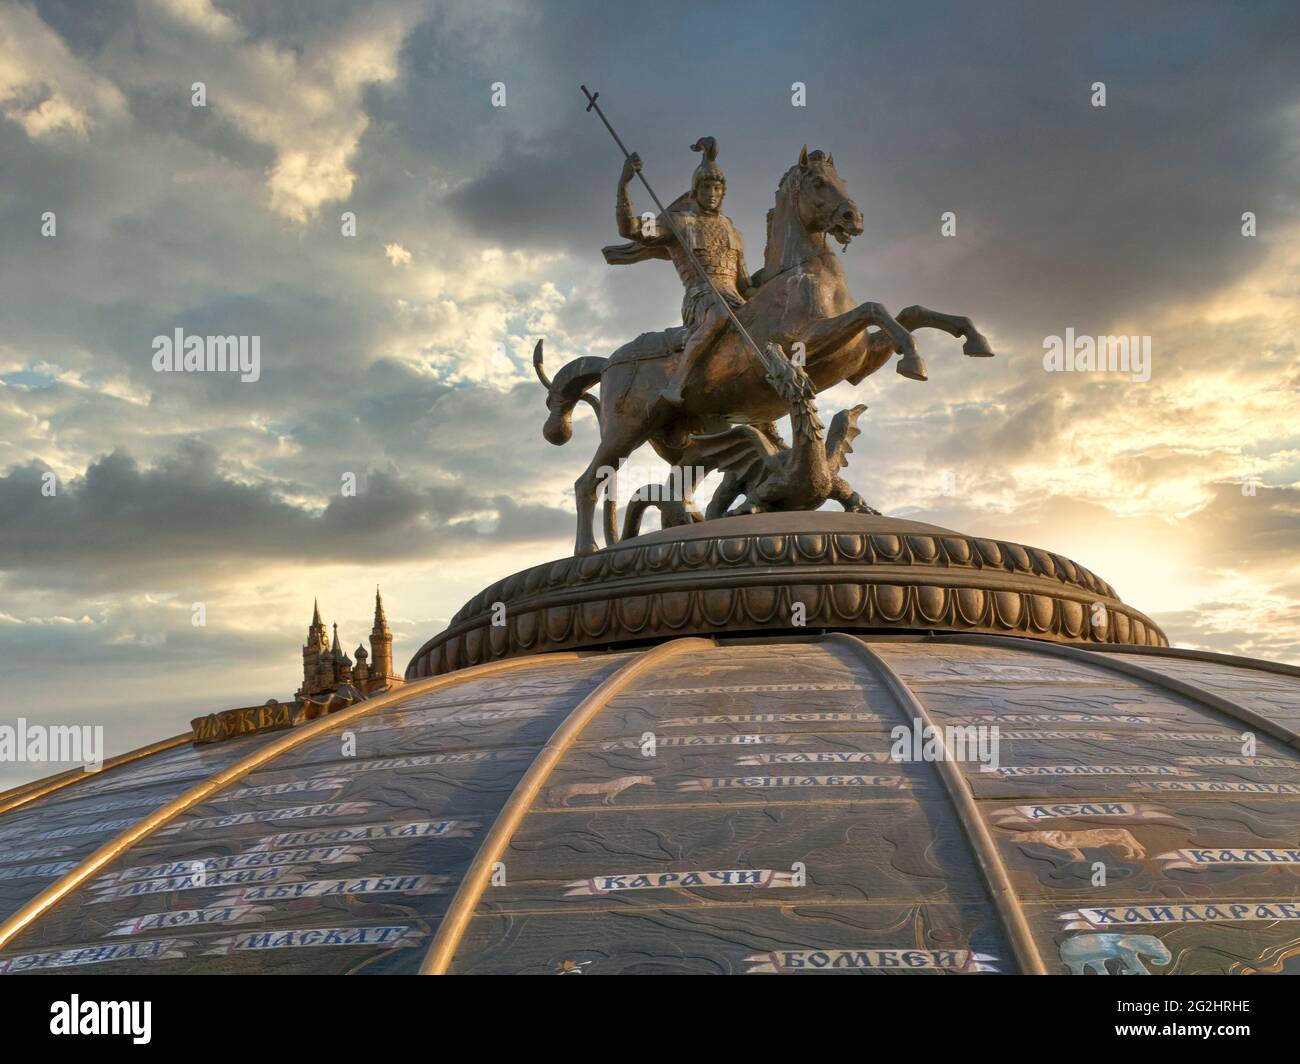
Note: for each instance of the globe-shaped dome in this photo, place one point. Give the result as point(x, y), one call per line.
point(955, 760)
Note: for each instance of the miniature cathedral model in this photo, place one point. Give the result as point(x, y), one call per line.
point(326, 667)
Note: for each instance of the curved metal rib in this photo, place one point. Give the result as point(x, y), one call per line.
point(1216, 702)
point(1208, 656)
point(52, 894)
point(991, 865)
point(29, 792)
point(475, 882)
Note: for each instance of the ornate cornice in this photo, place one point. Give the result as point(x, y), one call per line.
point(746, 574)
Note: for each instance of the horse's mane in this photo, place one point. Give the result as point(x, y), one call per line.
point(774, 249)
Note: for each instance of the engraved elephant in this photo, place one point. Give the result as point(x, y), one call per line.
point(1082, 952)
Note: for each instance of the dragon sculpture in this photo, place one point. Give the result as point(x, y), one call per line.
point(772, 476)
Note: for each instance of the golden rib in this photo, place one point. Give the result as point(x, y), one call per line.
point(1209, 657)
point(994, 869)
point(22, 788)
point(29, 792)
point(232, 773)
point(470, 892)
point(1226, 706)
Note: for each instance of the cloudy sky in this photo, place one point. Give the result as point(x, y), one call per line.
point(401, 354)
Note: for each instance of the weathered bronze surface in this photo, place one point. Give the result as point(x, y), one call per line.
point(771, 476)
point(273, 716)
point(748, 574)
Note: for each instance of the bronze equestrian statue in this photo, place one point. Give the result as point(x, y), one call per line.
point(798, 300)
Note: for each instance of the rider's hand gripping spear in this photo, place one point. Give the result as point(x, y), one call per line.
point(764, 357)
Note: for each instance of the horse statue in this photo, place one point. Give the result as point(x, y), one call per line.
point(801, 304)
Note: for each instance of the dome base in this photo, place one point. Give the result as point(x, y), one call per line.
point(786, 572)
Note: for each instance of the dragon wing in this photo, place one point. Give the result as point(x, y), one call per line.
point(839, 441)
point(741, 450)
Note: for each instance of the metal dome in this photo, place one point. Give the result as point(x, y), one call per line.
point(654, 800)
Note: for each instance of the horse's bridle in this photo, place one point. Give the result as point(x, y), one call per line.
point(794, 205)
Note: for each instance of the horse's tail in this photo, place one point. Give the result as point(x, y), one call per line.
point(565, 392)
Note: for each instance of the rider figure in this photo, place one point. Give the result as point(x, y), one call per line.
point(713, 238)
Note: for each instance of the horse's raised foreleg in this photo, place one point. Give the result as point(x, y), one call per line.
point(917, 317)
point(830, 334)
point(880, 346)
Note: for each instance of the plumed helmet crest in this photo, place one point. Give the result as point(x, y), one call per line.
point(708, 146)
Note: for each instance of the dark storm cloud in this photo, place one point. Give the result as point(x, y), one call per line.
point(983, 109)
point(485, 436)
point(85, 27)
point(123, 525)
point(538, 194)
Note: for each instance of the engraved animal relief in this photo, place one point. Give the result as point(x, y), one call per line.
point(608, 790)
point(1073, 842)
point(1088, 954)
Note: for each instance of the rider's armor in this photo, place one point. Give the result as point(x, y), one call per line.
point(716, 243)
point(720, 252)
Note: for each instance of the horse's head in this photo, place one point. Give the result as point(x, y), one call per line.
point(810, 202)
point(824, 205)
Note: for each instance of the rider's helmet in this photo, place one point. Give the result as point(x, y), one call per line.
point(708, 167)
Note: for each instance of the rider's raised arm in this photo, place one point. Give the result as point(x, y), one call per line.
point(650, 229)
point(631, 226)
